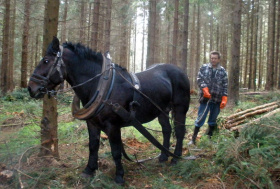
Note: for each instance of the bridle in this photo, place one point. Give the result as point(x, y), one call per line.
point(43, 81)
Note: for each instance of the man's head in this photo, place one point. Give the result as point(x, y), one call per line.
point(215, 58)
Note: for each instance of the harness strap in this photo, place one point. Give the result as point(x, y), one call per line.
point(125, 115)
point(134, 104)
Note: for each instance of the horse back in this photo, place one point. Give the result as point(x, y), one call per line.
point(165, 85)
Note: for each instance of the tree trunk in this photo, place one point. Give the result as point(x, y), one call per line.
point(151, 33)
point(124, 34)
point(277, 59)
point(82, 35)
point(271, 47)
point(247, 48)
point(250, 82)
point(260, 78)
point(101, 27)
point(211, 26)
point(49, 139)
point(175, 33)
point(192, 51)
point(198, 41)
point(5, 49)
point(234, 69)
point(25, 41)
point(108, 25)
point(11, 84)
point(63, 27)
point(143, 36)
point(185, 35)
point(95, 23)
point(255, 56)
point(134, 46)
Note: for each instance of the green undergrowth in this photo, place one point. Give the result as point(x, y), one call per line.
point(250, 160)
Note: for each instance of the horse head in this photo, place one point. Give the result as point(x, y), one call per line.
point(49, 73)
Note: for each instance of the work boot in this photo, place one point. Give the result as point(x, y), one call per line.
point(195, 132)
point(210, 131)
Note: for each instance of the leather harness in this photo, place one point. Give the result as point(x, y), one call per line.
point(103, 92)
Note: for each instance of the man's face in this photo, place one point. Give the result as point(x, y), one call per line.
point(214, 59)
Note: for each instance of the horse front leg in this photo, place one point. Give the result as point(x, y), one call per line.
point(114, 135)
point(94, 141)
point(166, 131)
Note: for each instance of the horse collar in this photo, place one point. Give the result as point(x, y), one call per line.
point(103, 91)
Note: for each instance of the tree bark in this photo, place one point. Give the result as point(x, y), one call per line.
point(124, 35)
point(198, 41)
point(49, 139)
point(151, 33)
point(192, 50)
point(211, 26)
point(143, 36)
point(108, 25)
point(82, 35)
point(277, 59)
point(11, 84)
point(5, 49)
point(271, 47)
point(64, 22)
point(95, 24)
point(255, 57)
point(25, 42)
point(234, 69)
point(175, 33)
point(260, 78)
point(185, 35)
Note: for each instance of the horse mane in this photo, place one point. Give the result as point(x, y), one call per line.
point(83, 51)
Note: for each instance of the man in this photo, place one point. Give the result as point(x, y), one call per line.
point(212, 81)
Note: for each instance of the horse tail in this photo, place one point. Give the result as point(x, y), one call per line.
point(125, 154)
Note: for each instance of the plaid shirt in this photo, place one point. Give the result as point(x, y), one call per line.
point(216, 81)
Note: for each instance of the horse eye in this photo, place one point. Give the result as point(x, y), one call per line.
point(46, 61)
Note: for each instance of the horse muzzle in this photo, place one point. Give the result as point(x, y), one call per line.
point(36, 92)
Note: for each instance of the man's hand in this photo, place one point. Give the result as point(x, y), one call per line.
point(206, 93)
point(224, 102)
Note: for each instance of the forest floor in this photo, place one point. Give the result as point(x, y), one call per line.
point(249, 159)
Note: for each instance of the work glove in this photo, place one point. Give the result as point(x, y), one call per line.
point(206, 93)
point(224, 102)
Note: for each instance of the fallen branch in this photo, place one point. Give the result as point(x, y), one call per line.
point(15, 124)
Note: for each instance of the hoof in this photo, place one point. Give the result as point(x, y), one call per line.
point(174, 161)
point(119, 180)
point(162, 158)
point(85, 175)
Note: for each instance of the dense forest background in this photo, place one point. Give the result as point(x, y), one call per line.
point(139, 33)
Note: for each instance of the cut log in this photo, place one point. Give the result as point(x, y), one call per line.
point(234, 124)
point(253, 109)
point(252, 113)
point(239, 127)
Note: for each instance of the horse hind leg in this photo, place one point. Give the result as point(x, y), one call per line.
point(179, 112)
point(166, 131)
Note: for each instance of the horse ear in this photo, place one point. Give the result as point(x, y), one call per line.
point(55, 44)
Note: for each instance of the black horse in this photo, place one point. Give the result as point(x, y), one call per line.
point(164, 87)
